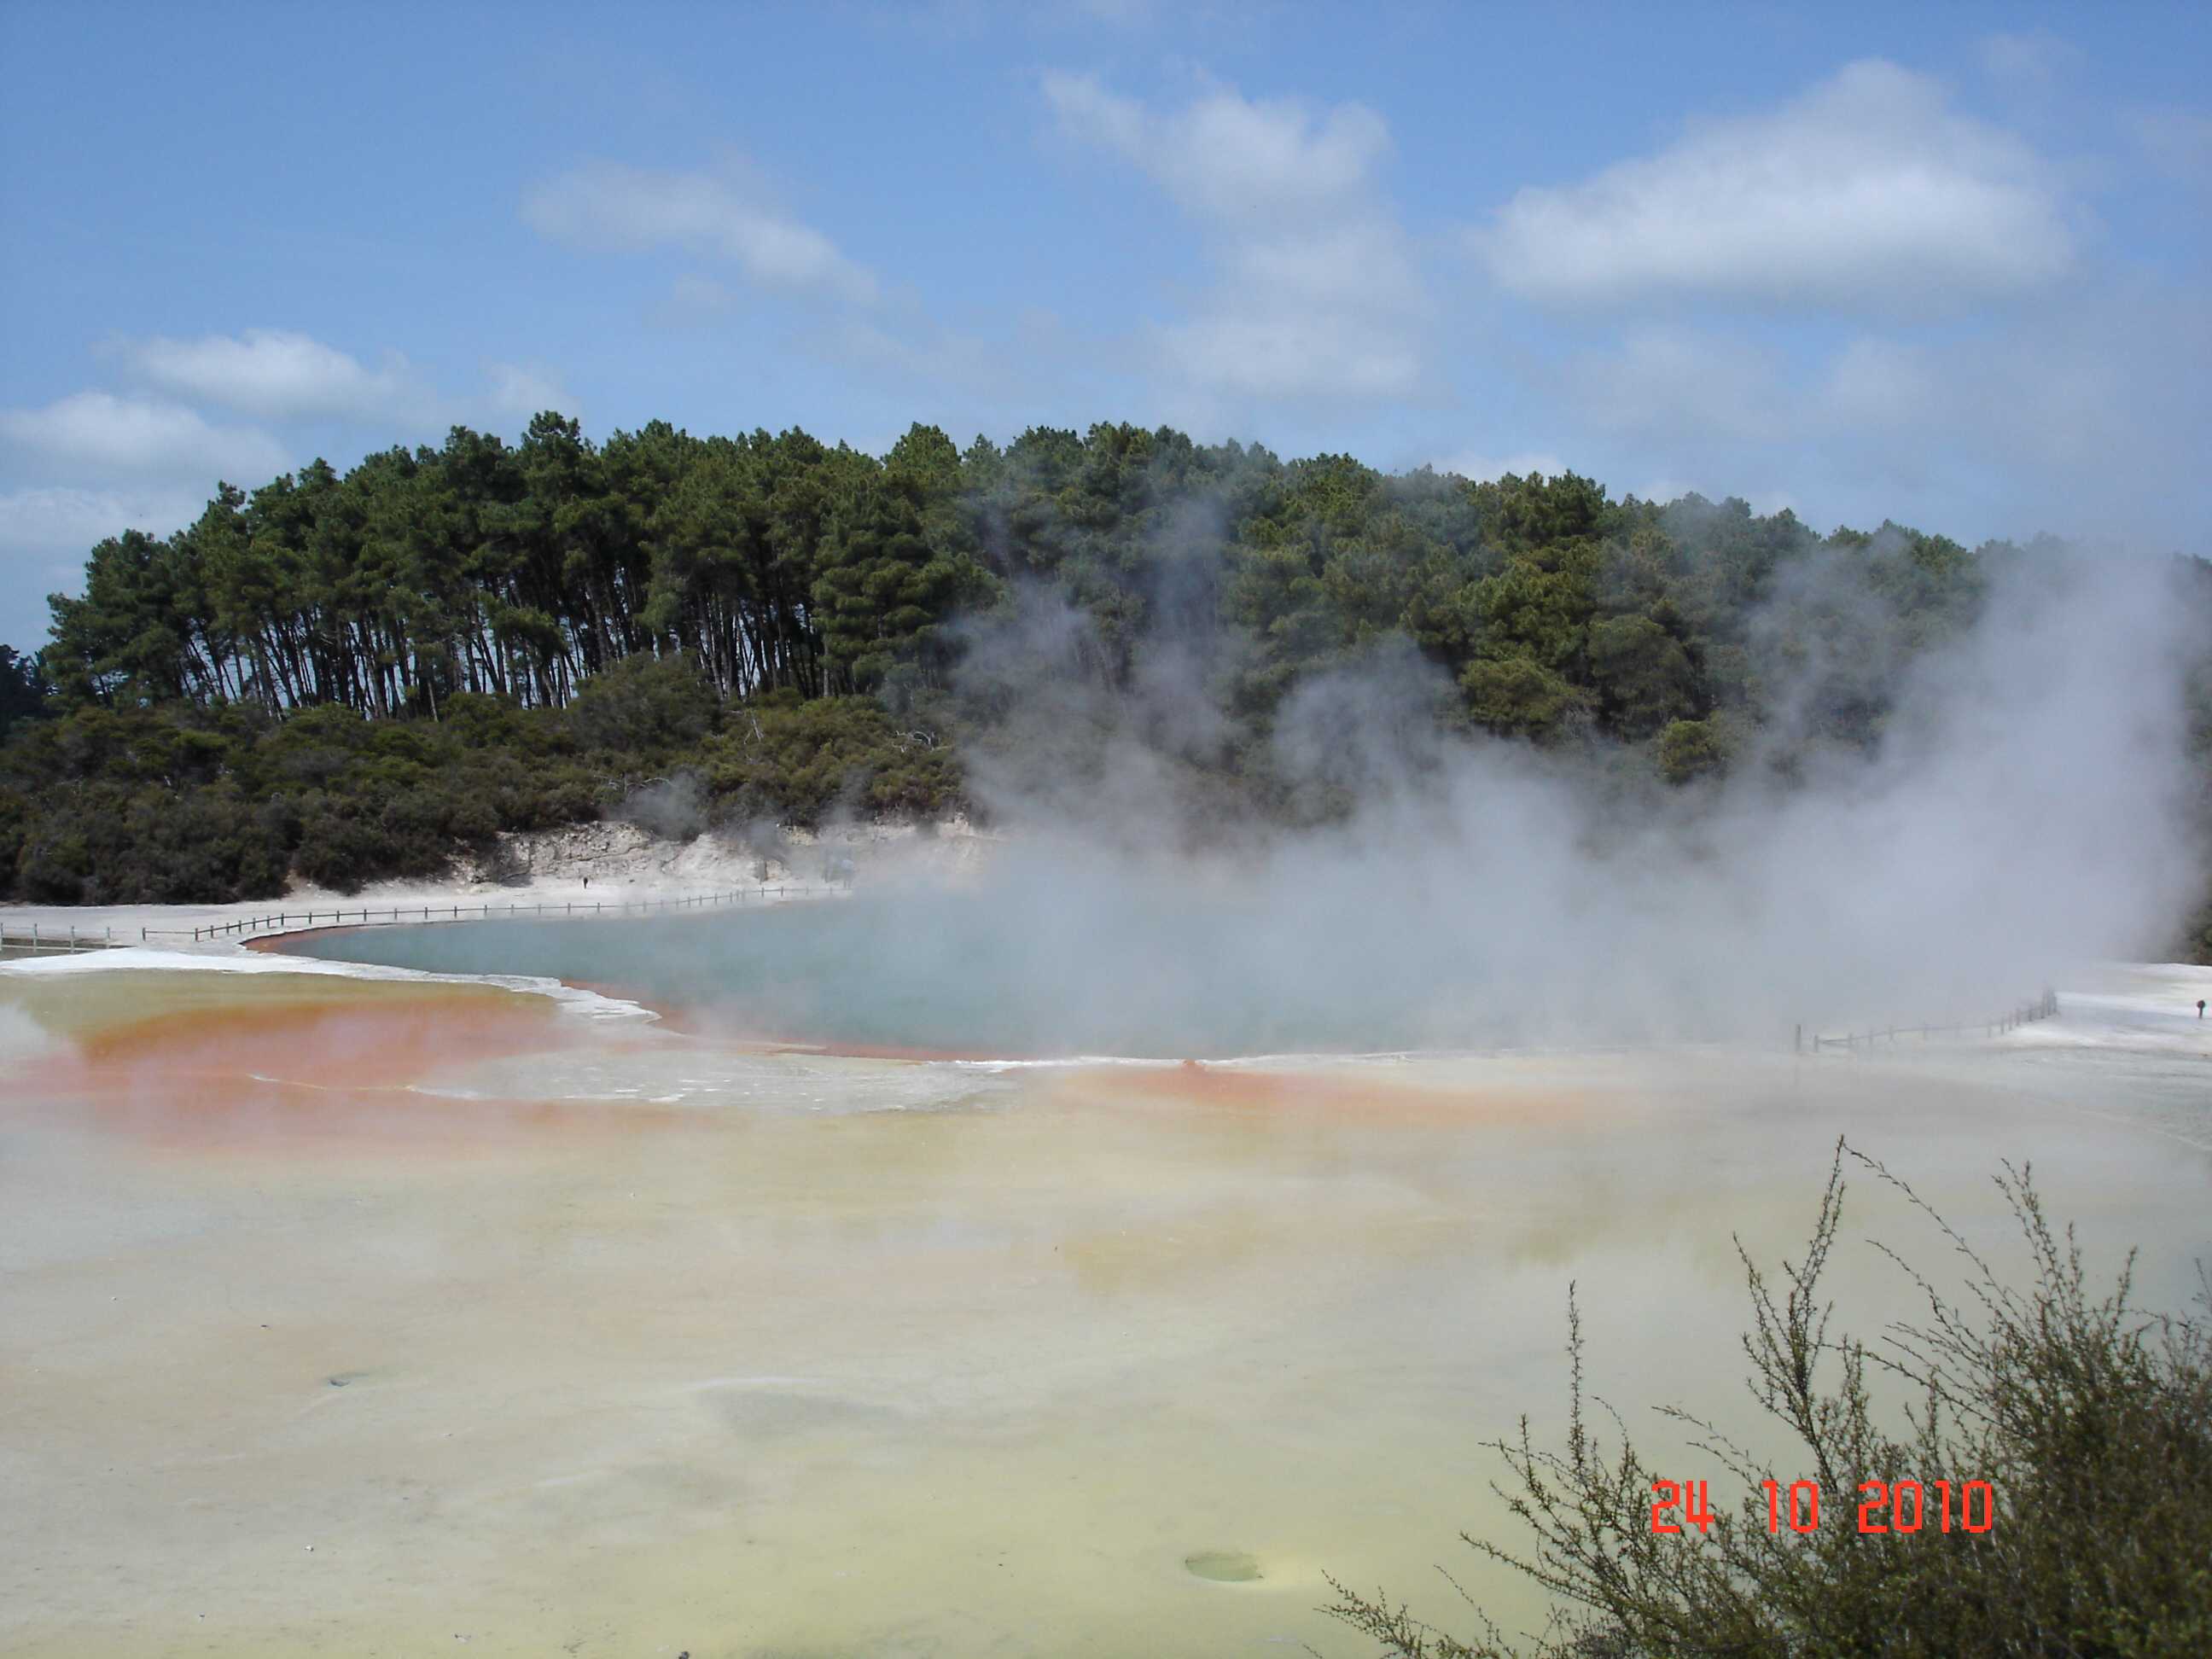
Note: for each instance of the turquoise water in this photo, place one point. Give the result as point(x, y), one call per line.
point(944, 972)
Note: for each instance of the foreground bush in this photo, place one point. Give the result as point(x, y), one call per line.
point(2092, 1420)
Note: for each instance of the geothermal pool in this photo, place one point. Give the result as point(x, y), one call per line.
point(938, 971)
point(351, 1315)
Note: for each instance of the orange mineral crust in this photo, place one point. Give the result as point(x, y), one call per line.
point(236, 1063)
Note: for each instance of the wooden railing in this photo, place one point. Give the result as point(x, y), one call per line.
point(2042, 1007)
point(37, 938)
point(388, 915)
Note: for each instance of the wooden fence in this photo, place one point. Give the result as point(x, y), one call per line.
point(373, 916)
point(36, 938)
point(2042, 1008)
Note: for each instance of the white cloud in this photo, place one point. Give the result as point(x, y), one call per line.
point(284, 374)
point(693, 299)
point(1224, 156)
point(1668, 385)
point(44, 535)
point(613, 208)
point(2098, 412)
point(100, 431)
point(1881, 382)
point(1483, 467)
point(73, 521)
point(522, 390)
point(1267, 351)
point(941, 359)
point(1316, 293)
point(2083, 417)
point(2030, 63)
point(1868, 194)
point(277, 374)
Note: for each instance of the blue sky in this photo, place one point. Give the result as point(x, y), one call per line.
point(1945, 264)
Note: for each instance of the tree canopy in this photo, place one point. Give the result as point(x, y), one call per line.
point(350, 674)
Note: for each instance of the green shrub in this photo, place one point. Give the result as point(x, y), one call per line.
point(184, 804)
point(645, 706)
point(1519, 698)
point(114, 844)
point(1689, 750)
point(797, 762)
point(2092, 1421)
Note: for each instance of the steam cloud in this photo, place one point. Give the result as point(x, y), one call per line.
point(674, 809)
point(2027, 808)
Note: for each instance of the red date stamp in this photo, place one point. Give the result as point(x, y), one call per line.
point(1889, 1506)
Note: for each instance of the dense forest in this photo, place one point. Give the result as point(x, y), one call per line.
point(341, 676)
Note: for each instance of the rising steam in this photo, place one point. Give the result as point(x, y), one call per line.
point(2025, 808)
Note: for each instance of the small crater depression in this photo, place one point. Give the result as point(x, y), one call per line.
point(1223, 1567)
